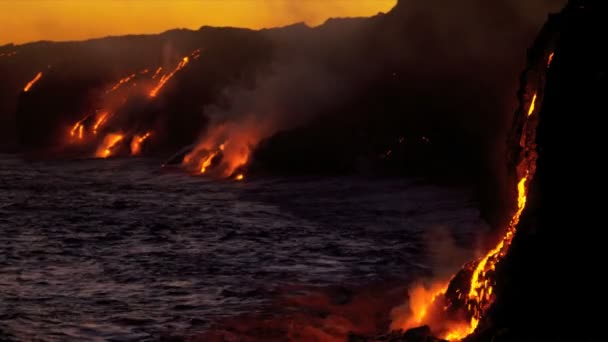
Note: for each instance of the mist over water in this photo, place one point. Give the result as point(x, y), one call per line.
point(118, 249)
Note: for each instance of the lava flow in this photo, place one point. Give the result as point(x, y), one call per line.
point(31, 83)
point(100, 121)
point(532, 105)
point(77, 131)
point(110, 142)
point(157, 72)
point(550, 59)
point(121, 82)
point(476, 294)
point(137, 142)
point(226, 151)
point(165, 78)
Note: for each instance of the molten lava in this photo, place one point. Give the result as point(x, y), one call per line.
point(110, 142)
point(235, 140)
point(103, 117)
point(77, 129)
point(32, 82)
point(137, 142)
point(206, 161)
point(121, 82)
point(481, 288)
point(550, 59)
point(477, 294)
point(532, 105)
point(157, 72)
point(165, 78)
point(239, 177)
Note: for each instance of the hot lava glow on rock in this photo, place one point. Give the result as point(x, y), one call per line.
point(224, 152)
point(454, 316)
point(121, 82)
point(109, 115)
point(550, 60)
point(109, 144)
point(137, 141)
point(31, 83)
point(165, 78)
point(532, 105)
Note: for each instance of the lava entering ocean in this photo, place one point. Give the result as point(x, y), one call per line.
point(454, 309)
point(224, 152)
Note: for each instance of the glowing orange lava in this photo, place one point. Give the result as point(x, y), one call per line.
point(137, 142)
point(235, 141)
point(157, 72)
point(106, 149)
point(239, 177)
point(121, 82)
point(165, 78)
point(532, 105)
point(75, 129)
point(550, 59)
point(100, 121)
point(480, 294)
point(206, 161)
point(32, 82)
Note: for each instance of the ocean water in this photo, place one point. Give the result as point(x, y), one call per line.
point(123, 250)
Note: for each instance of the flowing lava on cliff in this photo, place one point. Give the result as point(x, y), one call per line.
point(137, 142)
point(121, 82)
point(225, 151)
point(100, 120)
point(474, 296)
point(113, 100)
point(31, 83)
point(110, 142)
point(165, 78)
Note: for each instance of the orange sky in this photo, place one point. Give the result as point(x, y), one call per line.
point(30, 20)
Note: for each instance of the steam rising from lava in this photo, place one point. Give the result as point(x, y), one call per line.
point(457, 318)
point(286, 97)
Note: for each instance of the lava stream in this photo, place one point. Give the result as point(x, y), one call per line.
point(165, 78)
point(31, 83)
point(137, 142)
point(106, 149)
point(121, 82)
point(479, 294)
point(532, 105)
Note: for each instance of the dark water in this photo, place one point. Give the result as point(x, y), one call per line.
point(118, 249)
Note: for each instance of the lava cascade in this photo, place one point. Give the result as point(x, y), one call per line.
point(31, 83)
point(104, 122)
point(455, 309)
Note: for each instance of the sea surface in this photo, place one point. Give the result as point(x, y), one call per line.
point(123, 250)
